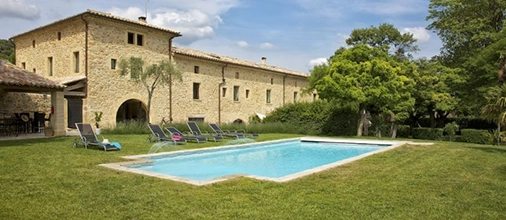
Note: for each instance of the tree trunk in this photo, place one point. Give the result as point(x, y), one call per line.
point(361, 121)
point(148, 110)
point(393, 128)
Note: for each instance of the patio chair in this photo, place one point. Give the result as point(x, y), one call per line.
point(89, 138)
point(175, 132)
point(157, 134)
point(218, 131)
point(195, 130)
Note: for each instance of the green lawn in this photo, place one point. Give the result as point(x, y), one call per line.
point(48, 179)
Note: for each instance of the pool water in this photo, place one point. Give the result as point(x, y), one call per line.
point(272, 160)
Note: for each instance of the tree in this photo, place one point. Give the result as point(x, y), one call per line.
point(150, 77)
point(466, 26)
point(385, 36)
point(495, 109)
point(7, 50)
point(366, 76)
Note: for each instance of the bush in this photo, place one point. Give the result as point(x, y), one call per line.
point(128, 127)
point(476, 136)
point(403, 131)
point(428, 133)
point(451, 130)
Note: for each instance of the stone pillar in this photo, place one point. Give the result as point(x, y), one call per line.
point(57, 119)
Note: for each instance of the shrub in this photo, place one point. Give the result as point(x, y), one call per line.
point(128, 127)
point(451, 130)
point(428, 133)
point(476, 136)
point(403, 131)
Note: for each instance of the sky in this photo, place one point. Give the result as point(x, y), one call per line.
point(293, 34)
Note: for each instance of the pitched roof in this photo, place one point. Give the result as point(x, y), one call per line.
point(104, 15)
point(17, 79)
point(236, 61)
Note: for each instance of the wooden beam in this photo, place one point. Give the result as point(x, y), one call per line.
point(75, 94)
point(76, 86)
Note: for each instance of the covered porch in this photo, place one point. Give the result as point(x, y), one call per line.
point(16, 80)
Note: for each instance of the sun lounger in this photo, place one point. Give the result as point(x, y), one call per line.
point(88, 138)
point(218, 131)
point(195, 130)
point(157, 134)
point(175, 132)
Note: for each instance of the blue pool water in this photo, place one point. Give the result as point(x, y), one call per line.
point(272, 160)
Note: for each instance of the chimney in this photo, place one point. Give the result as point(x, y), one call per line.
point(264, 60)
point(142, 19)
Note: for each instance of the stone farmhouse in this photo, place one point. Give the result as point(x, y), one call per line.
point(83, 52)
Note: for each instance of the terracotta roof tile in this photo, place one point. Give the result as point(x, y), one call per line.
point(231, 60)
point(11, 75)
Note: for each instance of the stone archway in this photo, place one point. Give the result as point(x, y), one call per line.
point(131, 109)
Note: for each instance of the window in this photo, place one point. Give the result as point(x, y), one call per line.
point(50, 66)
point(247, 93)
point(196, 119)
point(294, 96)
point(33, 43)
point(23, 65)
point(272, 81)
point(314, 97)
point(268, 96)
point(223, 92)
point(59, 35)
point(76, 62)
point(131, 37)
point(196, 69)
point(113, 64)
point(34, 70)
point(140, 39)
point(196, 87)
point(236, 93)
point(237, 75)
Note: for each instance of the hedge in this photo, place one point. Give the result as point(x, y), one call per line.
point(476, 136)
point(428, 133)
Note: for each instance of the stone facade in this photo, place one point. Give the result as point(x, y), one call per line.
point(87, 45)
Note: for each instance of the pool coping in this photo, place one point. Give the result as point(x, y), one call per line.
point(140, 159)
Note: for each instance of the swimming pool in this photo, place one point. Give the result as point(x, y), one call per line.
point(275, 161)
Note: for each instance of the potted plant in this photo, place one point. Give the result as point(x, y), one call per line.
point(98, 118)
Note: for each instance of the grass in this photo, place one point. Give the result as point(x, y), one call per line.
point(47, 179)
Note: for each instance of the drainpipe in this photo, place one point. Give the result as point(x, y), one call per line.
point(222, 83)
point(170, 80)
point(85, 52)
point(284, 88)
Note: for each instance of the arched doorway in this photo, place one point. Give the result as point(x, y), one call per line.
point(131, 109)
point(238, 121)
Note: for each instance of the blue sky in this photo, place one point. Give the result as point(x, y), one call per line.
point(292, 34)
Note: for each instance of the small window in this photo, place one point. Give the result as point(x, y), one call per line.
point(237, 75)
point(113, 64)
point(272, 81)
point(196, 87)
point(34, 70)
point(33, 43)
point(268, 96)
point(295, 97)
point(59, 35)
point(140, 38)
point(23, 65)
point(247, 93)
point(196, 69)
point(314, 97)
point(50, 66)
point(236, 93)
point(76, 62)
point(131, 37)
point(223, 92)
point(198, 120)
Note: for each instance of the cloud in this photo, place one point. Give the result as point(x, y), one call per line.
point(266, 46)
point(193, 24)
point(242, 44)
point(419, 33)
point(317, 61)
point(391, 7)
point(19, 9)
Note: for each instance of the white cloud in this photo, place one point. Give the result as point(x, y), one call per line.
point(317, 61)
point(19, 9)
point(242, 44)
point(193, 24)
point(419, 33)
point(391, 7)
point(266, 46)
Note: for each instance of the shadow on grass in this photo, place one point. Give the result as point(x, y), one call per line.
point(490, 149)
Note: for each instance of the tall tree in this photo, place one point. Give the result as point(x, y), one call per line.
point(385, 36)
point(366, 76)
point(466, 26)
point(7, 50)
point(150, 77)
point(495, 109)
